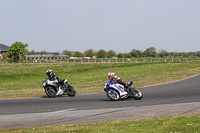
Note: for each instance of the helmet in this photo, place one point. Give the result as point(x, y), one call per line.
point(49, 72)
point(111, 75)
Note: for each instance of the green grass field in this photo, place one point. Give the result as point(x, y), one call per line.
point(25, 80)
point(168, 124)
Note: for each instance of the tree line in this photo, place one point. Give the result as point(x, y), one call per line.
point(19, 49)
point(134, 53)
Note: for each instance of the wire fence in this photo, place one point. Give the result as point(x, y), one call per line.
point(99, 60)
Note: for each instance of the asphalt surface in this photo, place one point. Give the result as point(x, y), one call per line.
point(175, 98)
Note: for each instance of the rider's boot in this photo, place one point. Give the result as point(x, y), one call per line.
point(127, 89)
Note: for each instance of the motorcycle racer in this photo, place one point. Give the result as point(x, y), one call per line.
point(116, 79)
point(53, 76)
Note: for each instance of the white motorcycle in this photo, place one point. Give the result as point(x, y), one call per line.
point(116, 91)
point(51, 86)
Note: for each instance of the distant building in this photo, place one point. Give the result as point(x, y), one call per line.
point(46, 56)
point(87, 57)
point(3, 49)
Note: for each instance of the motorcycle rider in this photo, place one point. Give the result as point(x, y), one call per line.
point(53, 76)
point(116, 79)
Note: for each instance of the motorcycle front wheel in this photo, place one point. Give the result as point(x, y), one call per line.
point(113, 95)
point(71, 91)
point(137, 94)
point(50, 91)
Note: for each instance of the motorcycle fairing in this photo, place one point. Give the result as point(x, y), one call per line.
point(60, 91)
point(129, 84)
point(116, 86)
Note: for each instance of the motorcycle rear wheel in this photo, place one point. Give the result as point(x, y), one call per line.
point(113, 95)
point(50, 91)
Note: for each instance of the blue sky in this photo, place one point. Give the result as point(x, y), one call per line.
point(120, 25)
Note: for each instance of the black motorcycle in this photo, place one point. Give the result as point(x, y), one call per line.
point(53, 88)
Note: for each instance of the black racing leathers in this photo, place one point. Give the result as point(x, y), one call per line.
point(118, 80)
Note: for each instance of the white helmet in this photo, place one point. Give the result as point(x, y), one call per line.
point(49, 72)
point(111, 75)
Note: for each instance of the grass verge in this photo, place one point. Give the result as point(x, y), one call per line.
point(25, 80)
point(167, 124)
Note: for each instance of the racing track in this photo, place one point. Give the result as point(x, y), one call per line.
point(175, 98)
